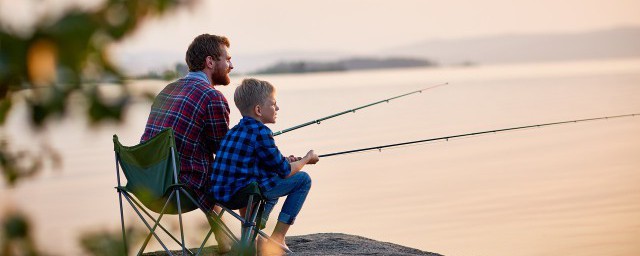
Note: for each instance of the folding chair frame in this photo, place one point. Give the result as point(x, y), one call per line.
point(249, 231)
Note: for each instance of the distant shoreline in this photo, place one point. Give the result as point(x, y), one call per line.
point(349, 64)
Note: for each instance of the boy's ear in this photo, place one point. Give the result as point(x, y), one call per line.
point(257, 110)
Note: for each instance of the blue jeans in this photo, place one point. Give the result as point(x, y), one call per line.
point(296, 189)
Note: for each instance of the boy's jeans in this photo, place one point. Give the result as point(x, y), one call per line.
point(296, 189)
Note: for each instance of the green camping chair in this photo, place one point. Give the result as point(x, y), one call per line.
point(151, 169)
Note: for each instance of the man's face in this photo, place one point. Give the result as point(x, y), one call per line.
point(222, 68)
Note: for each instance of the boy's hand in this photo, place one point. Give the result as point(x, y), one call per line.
point(312, 157)
point(293, 158)
point(309, 158)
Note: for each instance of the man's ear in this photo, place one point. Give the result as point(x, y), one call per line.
point(210, 62)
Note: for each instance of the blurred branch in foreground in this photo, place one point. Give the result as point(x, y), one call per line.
point(109, 243)
point(15, 236)
point(64, 58)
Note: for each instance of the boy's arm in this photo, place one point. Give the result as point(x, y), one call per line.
point(310, 158)
point(269, 156)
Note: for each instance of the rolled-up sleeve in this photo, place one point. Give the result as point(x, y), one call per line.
point(270, 156)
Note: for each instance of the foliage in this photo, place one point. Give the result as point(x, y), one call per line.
point(108, 243)
point(58, 60)
point(15, 238)
point(65, 57)
point(22, 163)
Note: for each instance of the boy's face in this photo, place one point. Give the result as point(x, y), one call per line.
point(268, 110)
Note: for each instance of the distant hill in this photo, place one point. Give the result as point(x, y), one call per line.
point(343, 65)
point(611, 43)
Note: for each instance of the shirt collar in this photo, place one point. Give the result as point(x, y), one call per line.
point(248, 119)
point(251, 120)
point(198, 75)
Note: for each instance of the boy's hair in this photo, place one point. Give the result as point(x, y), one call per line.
point(202, 46)
point(251, 92)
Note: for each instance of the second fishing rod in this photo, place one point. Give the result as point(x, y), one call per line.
point(447, 138)
point(317, 121)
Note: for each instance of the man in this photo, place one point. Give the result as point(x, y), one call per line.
point(198, 114)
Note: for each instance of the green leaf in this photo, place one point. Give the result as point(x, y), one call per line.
point(5, 106)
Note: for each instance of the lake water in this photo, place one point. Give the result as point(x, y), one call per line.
point(561, 190)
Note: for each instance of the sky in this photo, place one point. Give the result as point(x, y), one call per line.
point(358, 27)
point(348, 25)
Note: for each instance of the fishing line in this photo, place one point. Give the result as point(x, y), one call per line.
point(318, 121)
point(446, 138)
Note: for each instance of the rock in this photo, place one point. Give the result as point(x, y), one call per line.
point(332, 244)
point(342, 244)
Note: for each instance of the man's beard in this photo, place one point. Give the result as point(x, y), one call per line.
point(220, 77)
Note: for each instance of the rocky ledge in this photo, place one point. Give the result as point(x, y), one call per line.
point(334, 244)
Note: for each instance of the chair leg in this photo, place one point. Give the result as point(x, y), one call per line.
point(247, 226)
point(204, 241)
point(257, 219)
point(161, 227)
point(180, 220)
point(156, 223)
point(218, 221)
point(124, 236)
point(214, 221)
point(260, 232)
point(148, 226)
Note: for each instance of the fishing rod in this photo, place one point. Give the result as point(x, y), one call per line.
point(317, 121)
point(446, 138)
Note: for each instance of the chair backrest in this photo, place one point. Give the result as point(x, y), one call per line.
point(149, 169)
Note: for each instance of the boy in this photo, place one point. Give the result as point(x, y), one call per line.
point(248, 153)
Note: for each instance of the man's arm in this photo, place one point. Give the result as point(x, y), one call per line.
point(217, 122)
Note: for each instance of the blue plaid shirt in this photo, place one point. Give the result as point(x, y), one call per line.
point(247, 153)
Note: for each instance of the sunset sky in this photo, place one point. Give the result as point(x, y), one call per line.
point(259, 27)
point(566, 190)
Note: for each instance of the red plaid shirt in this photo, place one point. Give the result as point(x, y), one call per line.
point(199, 116)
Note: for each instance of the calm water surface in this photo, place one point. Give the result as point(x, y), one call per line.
point(562, 190)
